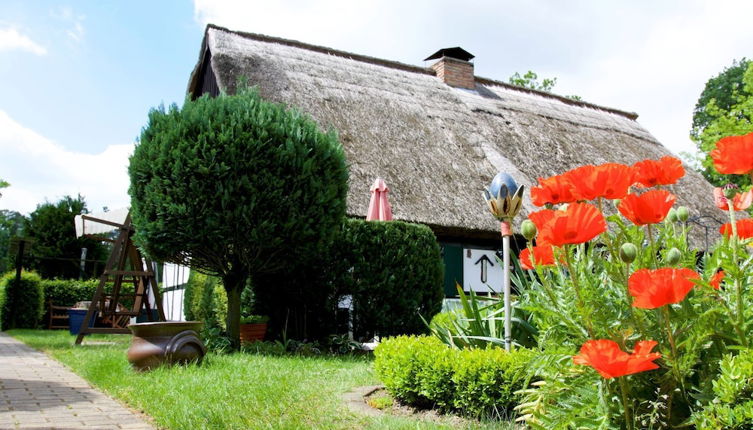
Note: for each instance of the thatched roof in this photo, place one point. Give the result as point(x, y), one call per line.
point(436, 146)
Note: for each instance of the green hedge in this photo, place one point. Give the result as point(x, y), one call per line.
point(66, 292)
point(21, 303)
point(393, 271)
point(733, 406)
point(205, 300)
point(397, 276)
point(424, 372)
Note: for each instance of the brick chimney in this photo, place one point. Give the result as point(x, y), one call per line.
point(454, 67)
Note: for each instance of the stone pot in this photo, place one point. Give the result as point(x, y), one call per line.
point(253, 332)
point(168, 342)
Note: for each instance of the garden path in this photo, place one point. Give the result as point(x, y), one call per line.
point(37, 392)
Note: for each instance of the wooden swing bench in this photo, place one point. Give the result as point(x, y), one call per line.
point(126, 265)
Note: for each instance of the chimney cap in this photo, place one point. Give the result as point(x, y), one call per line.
point(456, 52)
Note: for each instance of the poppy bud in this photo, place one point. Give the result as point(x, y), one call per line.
point(730, 190)
point(528, 228)
point(673, 256)
point(628, 252)
point(683, 213)
point(672, 215)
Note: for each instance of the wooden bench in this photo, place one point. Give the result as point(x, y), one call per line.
point(58, 317)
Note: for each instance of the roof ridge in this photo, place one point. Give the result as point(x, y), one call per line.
point(414, 69)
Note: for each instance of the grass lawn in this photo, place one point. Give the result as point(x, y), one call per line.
point(235, 391)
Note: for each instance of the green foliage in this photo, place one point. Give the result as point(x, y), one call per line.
point(11, 225)
point(723, 89)
point(396, 277)
point(480, 322)
point(56, 249)
point(66, 292)
point(393, 271)
point(206, 300)
point(235, 186)
point(725, 108)
point(531, 80)
point(424, 372)
point(22, 303)
point(732, 408)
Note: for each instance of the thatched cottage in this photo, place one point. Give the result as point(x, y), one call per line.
point(437, 135)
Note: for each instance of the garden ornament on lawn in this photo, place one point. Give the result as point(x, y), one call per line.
point(505, 199)
point(379, 205)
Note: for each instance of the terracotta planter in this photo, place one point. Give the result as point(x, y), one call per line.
point(169, 342)
point(253, 332)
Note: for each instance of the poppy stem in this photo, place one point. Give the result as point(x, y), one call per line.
point(671, 337)
point(625, 404)
point(653, 245)
point(576, 288)
point(740, 320)
point(542, 277)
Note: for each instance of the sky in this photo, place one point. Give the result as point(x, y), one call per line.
point(78, 78)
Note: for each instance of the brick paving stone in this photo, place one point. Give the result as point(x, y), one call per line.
point(38, 392)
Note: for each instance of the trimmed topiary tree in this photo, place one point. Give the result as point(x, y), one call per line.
point(21, 303)
point(235, 186)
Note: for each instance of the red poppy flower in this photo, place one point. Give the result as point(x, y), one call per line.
point(744, 229)
point(655, 288)
point(664, 171)
point(734, 155)
point(610, 180)
point(650, 207)
point(740, 202)
point(539, 218)
point(579, 223)
point(610, 361)
point(552, 190)
point(716, 280)
point(543, 254)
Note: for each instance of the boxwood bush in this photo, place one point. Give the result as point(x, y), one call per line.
point(21, 303)
point(424, 372)
point(393, 271)
point(732, 408)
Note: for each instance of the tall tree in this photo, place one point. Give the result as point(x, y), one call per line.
point(235, 186)
point(531, 80)
point(11, 225)
point(728, 111)
point(723, 89)
point(56, 250)
point(3, 184)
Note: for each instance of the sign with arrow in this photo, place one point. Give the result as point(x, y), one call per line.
point(482, 272)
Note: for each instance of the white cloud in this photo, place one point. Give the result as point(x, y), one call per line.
point(11, 39)
point(66, 14)
point(38, 169)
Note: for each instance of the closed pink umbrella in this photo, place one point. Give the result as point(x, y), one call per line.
point(379, 205)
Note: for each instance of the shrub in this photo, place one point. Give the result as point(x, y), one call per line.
point(65, 292)
point(207, 301)
point(393, 271)
point(733, 406)
point(396, 276)
point(23, 302)
point(424, 372)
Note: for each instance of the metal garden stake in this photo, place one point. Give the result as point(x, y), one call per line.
point(505, 199)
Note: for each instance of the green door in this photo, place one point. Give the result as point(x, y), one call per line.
point(453, 268)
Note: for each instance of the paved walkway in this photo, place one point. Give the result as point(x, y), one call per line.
point(37, 392)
